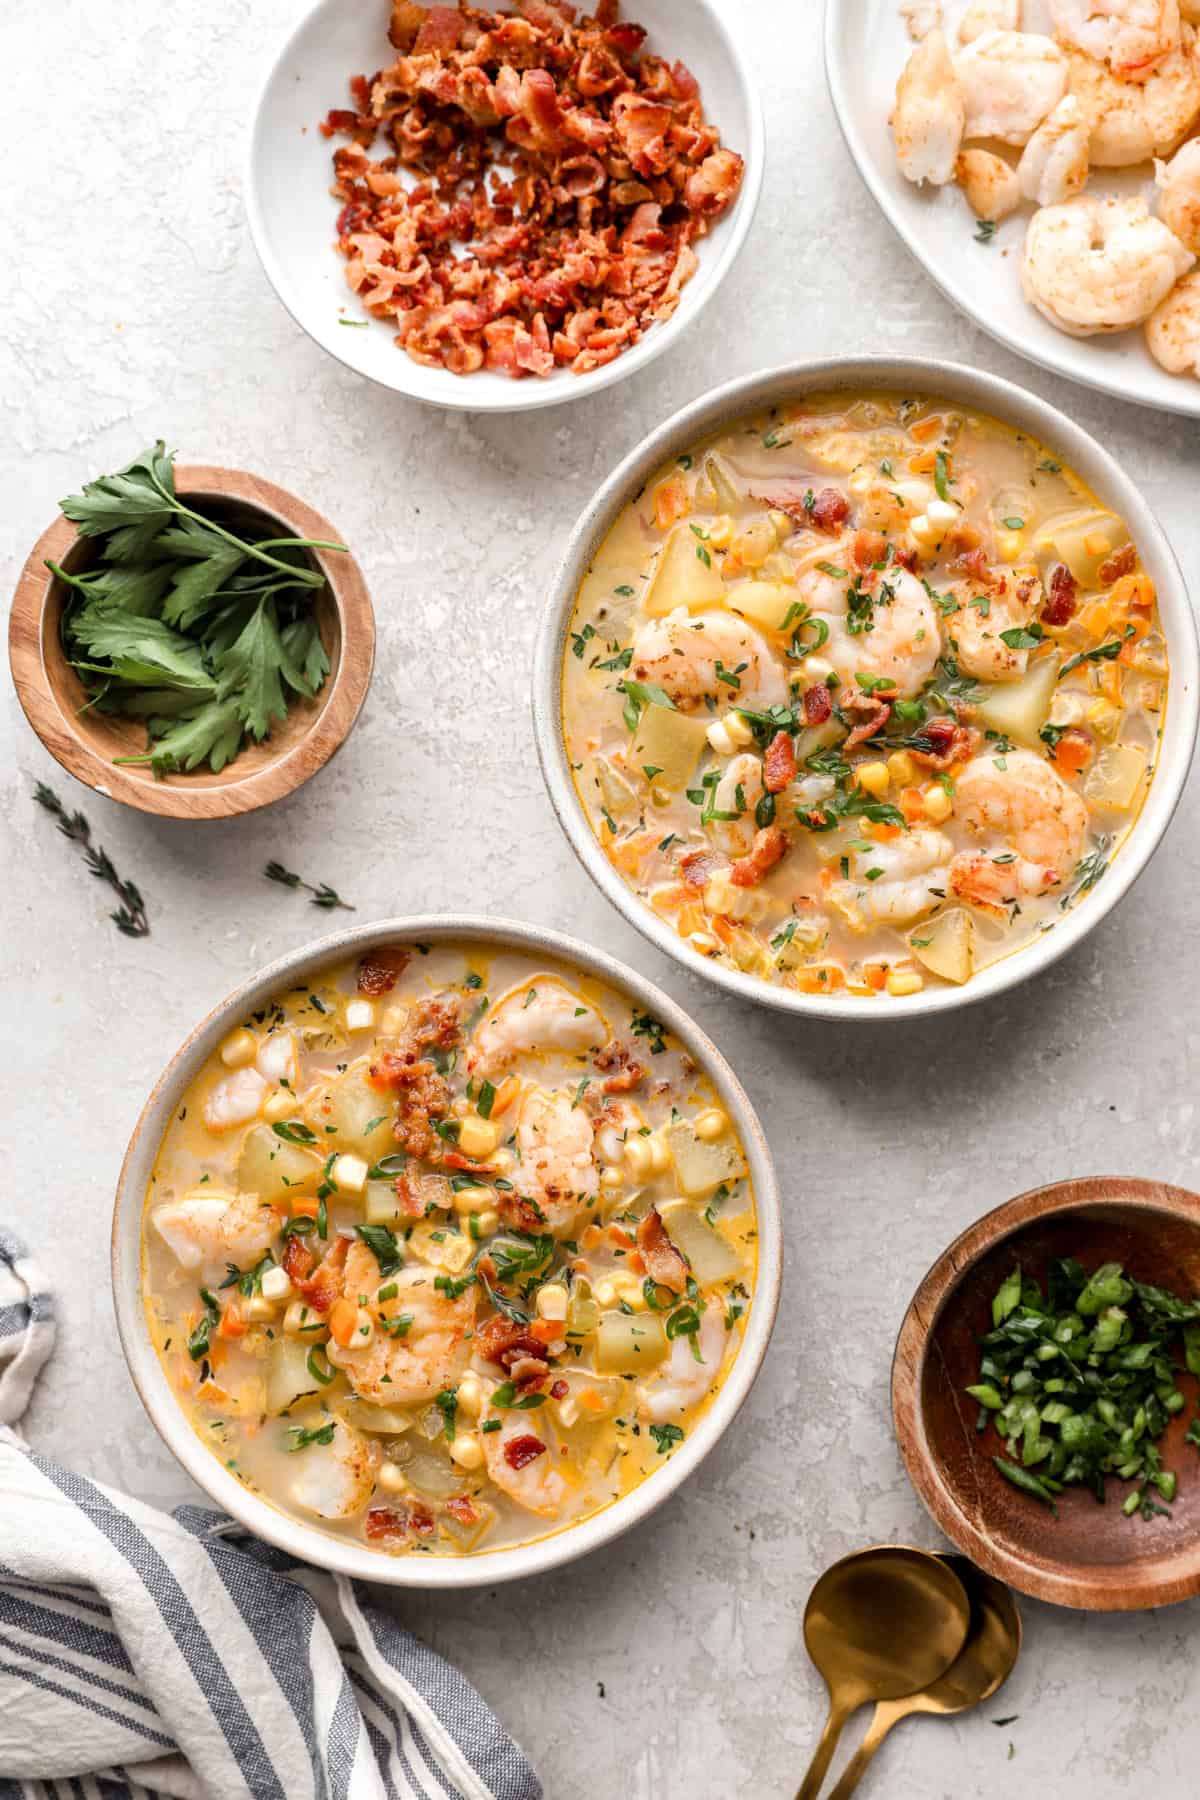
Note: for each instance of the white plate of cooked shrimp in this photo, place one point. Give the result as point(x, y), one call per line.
point(1041, 160)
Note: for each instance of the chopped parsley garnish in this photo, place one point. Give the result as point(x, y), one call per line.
point(316, 1434)
point(381, 1242)
point(644, 1026)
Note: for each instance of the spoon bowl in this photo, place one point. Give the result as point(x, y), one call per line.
point(880, 1624)
point(982, 1666)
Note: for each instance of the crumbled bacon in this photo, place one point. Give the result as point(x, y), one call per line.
point(384, 1524)
point(462, 1508)
point(829, 510)
point(519, 1452)
point(769, 847)
point(876, 709)
point(381, 968)
point(623, 1069)
point(868, 548)
point(818, 704)
point(559, 1389)
point(610, 174)
point(826, 510)
point(975, 566)
point(1121, 562)
point(697, 866)
point(321, 1285)
point(414, 1201)
point(502, 1340)
point(943, 742)
point(439, 31)
point(663, 1262)
point(779, 762)
point(1061, 603)
point(422, 1094)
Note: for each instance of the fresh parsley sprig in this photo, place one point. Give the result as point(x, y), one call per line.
point(130, 917)
point(200, 632)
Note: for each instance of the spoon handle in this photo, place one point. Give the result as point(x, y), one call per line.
point(882, 1720)
point(818, 1768)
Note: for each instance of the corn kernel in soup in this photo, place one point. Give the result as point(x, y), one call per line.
point(864, 693)
point(455, 1256)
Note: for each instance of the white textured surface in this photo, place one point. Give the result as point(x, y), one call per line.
point(135, 307)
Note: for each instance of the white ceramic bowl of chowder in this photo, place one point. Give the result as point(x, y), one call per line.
point(958, 386)
point(284, 1529)
point(292, 213)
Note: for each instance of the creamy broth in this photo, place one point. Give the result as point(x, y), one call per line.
point(863, 694)
point(447, 1249)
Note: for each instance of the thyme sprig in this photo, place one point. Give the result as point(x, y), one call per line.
point(130, 917)
point(323, 895)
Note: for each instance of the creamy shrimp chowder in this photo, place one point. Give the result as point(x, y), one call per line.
point(447, 1249)
point(863, 694)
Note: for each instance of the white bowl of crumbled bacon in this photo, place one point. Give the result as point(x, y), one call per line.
point(539, 197)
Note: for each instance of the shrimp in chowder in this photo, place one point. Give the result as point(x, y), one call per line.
point(447, 1249)
point(864, 694)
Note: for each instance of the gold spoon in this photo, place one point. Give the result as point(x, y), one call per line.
point(984, 1664)
point(880, 1624)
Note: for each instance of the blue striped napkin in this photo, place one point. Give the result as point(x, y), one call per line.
point(145, 1654)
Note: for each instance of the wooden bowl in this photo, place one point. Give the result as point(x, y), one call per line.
point(1091, 1556)
point(85, 743)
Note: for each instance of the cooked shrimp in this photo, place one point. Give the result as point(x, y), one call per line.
point(1011, 81)
point(892, 883)
point(1099, 265)
point(539, 1016)
point(407, 1363)
point(1131, 36)
point(709, 655)
point(1036, 824)
point(234, 1100)
point(988, 15)
point(989, 183)
point(616, 1123)
point(1178, 185)
point(739, 791)
point(684, 1379)
point(1054, 163)
point(213, 1229)
point(1133, 121)
point(976, 630)
point(901, 640)
point(1173, 329)
point(928, 118)
point(921, 17)
point(334, 1480)
point(557, 1172)
point(884, 505)
point(521, 1460)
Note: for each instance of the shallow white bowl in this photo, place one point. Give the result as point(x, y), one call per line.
point(965, 387)
point(292, 213)
point(866, 46)
point(268, 1521)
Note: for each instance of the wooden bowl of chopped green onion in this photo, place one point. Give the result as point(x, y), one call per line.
point(1045, 1393)
point(195, 642)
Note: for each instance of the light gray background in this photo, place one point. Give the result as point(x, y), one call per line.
point(135, 307)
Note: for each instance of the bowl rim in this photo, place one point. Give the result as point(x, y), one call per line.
point(175, 798)
point(1102, 1588)
point(526, 396)
point(307, 1542)
point(1012, 405)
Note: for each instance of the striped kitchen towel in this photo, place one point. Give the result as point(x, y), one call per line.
point(145, 1654)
